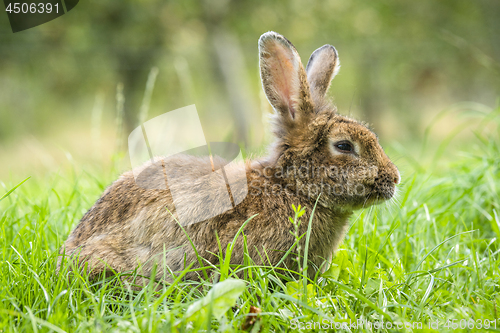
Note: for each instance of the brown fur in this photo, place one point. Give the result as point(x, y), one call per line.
point(131, 225)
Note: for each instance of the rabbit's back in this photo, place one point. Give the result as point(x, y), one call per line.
point(136, 221)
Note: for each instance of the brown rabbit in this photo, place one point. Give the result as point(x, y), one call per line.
point(316, 153)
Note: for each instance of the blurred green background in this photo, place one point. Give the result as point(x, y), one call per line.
point(403, 63)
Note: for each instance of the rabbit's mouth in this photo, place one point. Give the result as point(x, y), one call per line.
point(362, 196)
point(377, 197)
point(381, 192)
point(373, 198)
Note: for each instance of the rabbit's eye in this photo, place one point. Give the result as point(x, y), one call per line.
point(344, 146)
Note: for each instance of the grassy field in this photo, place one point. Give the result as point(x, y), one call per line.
point(431, 256)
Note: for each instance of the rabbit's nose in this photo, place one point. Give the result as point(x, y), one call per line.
point(397, 179)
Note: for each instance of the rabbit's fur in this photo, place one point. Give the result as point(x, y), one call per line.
point(130, 225)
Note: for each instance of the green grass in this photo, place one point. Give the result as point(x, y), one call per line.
point(431, 256)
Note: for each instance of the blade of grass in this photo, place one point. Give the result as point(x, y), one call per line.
point(13, 189)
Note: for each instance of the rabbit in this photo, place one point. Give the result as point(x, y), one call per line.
point(318, 159)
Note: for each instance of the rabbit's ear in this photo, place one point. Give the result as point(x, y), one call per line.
point(321, 68)
point(283, 77)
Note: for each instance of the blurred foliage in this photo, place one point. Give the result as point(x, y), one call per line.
point(402, 61)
